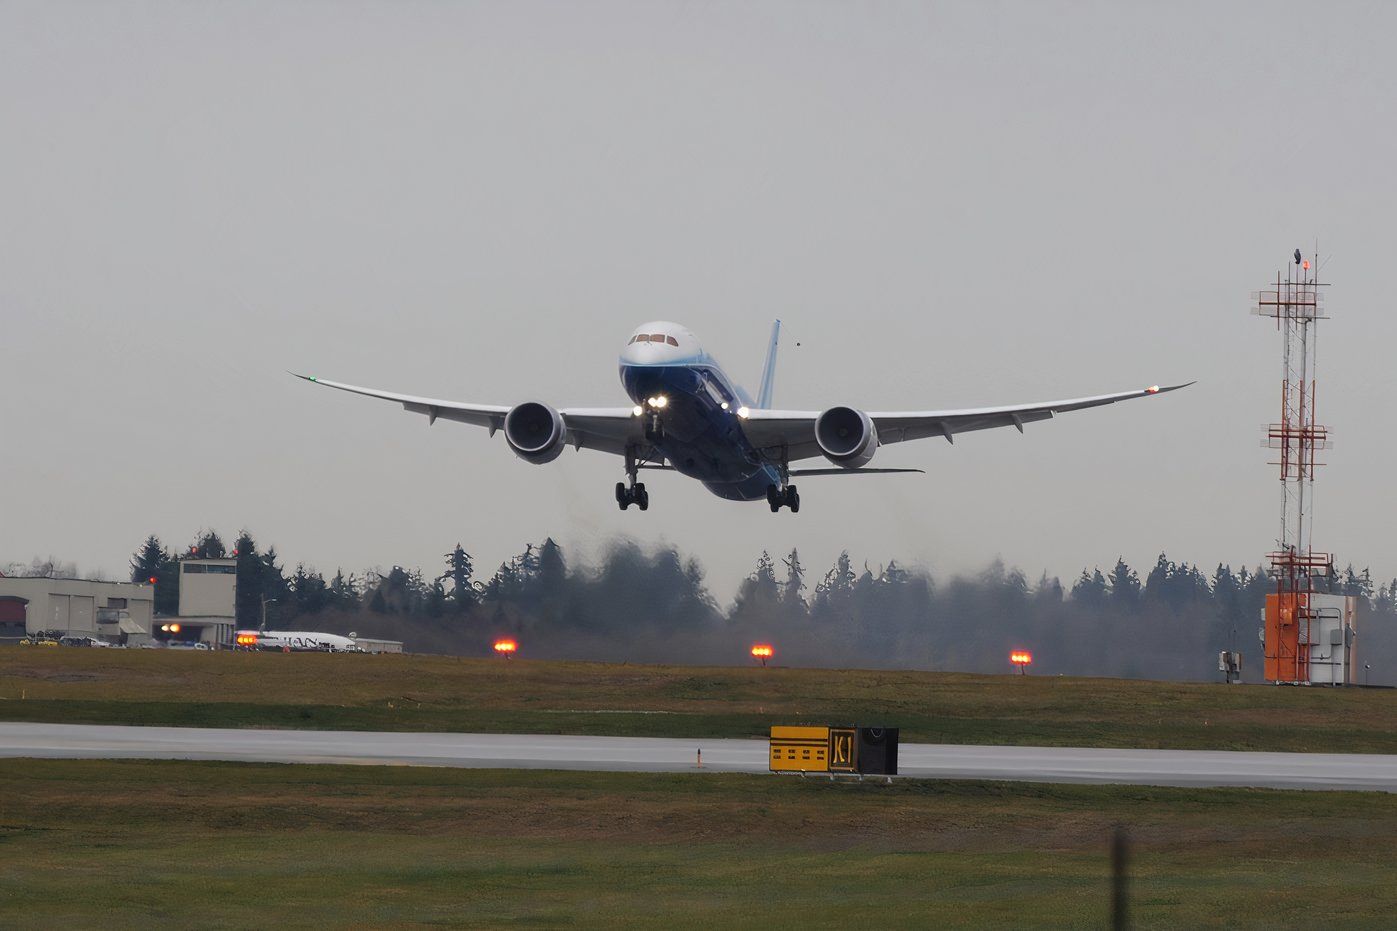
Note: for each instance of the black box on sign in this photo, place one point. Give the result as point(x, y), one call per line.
point(877, 753)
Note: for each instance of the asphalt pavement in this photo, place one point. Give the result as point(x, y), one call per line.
point(650, 754)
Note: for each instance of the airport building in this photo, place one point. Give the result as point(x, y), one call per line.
point(118, 612)
point(375, 645)
point(208, 598)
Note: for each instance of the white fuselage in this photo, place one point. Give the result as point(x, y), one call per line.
point(296, 640)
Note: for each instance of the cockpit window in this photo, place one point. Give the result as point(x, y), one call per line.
point(671, 340)
point(657, 337)
point(642, 338)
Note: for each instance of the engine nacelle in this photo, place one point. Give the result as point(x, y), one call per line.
point(535, 432)
point(847, 437)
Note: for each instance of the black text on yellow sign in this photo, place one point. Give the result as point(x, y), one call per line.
point(800, 749)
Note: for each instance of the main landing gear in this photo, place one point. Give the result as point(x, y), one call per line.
point(631, 491)
point(635, 494)
point(783, 497)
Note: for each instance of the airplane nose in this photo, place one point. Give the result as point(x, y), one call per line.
point(646, 353)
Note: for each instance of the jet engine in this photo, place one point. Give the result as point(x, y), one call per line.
point(847, 437)
point(535, 432)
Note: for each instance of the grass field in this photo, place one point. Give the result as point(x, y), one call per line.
point(433, 693)
point(128, 843)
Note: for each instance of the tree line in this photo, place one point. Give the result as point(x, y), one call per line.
point(654, 605)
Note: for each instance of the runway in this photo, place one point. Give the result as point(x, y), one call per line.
point(662, 755)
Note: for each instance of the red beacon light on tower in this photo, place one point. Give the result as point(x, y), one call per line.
point(506, 648)
point(762, 652)
point(1021, 659)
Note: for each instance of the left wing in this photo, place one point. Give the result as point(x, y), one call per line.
point(795, 430)
point(608, 429)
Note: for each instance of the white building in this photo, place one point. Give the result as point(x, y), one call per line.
point(119, 612)
point(208, 600)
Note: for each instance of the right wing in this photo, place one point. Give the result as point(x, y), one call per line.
point(794, 431)
point(607, 429)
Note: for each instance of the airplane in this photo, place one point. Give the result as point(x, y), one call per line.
point(689, 417)
point(294, 641)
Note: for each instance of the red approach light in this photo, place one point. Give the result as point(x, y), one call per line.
point(174, 628)
point(1306, 265)
point(1021, 658)
point(247, 640)
point(505, 647)
point(763, 652)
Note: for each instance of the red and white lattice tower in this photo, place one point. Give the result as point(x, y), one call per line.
point(1295, 303)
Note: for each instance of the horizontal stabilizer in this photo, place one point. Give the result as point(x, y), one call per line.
point(853, 471)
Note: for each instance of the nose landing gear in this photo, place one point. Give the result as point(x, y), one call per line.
point(778, 498)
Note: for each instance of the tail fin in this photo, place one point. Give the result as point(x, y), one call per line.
point(769, 370)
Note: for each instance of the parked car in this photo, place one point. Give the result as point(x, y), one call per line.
point(83, 642)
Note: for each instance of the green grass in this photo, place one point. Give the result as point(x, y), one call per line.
point(133, 843)
point(431, 693)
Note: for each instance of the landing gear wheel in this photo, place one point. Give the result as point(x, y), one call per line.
point(623, 495)
point(793, 499)
point(774, 498)
point(641, 496)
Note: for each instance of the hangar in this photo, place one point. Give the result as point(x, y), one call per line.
point(118, 612)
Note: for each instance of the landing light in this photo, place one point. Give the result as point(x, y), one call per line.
point(725, 405)
point(658, 401)
point(743, 412)
point(1152, 389)
point(637, 410)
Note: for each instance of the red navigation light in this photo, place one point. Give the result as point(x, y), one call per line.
point(152, 580)
point(763, 652)
point(505, 647)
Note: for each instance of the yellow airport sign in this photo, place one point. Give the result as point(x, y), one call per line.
point(799, 749)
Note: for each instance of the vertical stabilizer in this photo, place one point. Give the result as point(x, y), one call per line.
point(768, 381)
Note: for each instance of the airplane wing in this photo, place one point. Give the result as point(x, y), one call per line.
point(770, 431)
point(608, 429)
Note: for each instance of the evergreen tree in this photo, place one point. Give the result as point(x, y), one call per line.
point(552, 569)
point(459, 566)
point(309, 593)
point(1090, 588)
point(1048, 590)
point(209, 545)
point(343, 593)
point(1124, 585)
point(1157, 582)
point(152, 564)
point(793, 592)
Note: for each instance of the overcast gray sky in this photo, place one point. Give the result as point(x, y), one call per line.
point(948, 204)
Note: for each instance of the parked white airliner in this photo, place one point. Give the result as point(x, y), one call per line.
point(294, 641)
point(689, 417)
